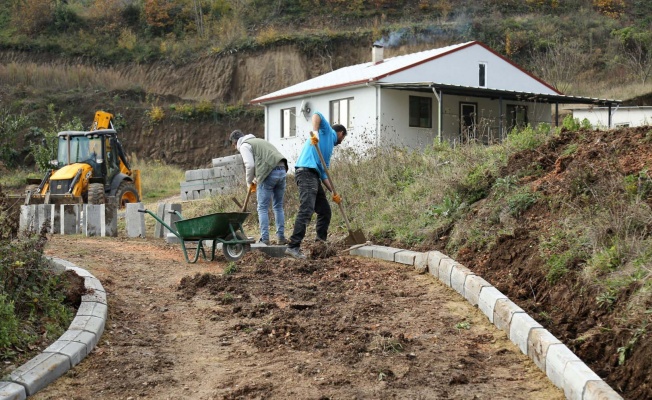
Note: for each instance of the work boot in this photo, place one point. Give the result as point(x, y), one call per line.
point(265, 242)
point(295, 252)
point(282, 241)
point(320, 240)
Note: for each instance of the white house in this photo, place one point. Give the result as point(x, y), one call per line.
point(600, 117)
point(454, 94)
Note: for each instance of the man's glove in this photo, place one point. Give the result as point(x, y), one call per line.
point(314, 139)
point(337, 198)
point(252, 187)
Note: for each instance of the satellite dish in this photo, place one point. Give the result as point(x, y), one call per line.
point(305, 109)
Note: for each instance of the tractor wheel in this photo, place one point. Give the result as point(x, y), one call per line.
point(126, 193)
point(96, 193)
point(234, 252)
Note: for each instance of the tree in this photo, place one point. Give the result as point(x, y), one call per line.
point(33, 16)
point(636, 47)
point(558, 63)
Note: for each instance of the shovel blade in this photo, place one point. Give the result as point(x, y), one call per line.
point(355, 237)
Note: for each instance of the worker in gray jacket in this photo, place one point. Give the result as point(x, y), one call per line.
point(265, 173)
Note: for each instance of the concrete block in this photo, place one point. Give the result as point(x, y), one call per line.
point(385, 253)
point(538, 343)
point(184, 195)
point(195, 175)
point(234, 159)
point(169, 217)
point(171, 238)
point(504, 310)
point(12, 391)
point(445, 268)
point(111, 217)
point(27, 218)
point(40, 371)
point(92, 309)
point(472, 287)
point(44, 217)
point(556, 360)
point(576, 375)
point(459, 273)
point(158, 227)
point(192, 185)
point(92, 283)
point(75, 351)
point(55, 219)
point(599, 390)
point(421, 262)
point(364, 251)
point(135, 220)
point(434, 259)
point(79, 271)
point(489, 295)
point(89, 324)
point(97, 296)
point(89, 339)
point(520, 329)
point(406, 257)
point(93, 220)
point(70, 218)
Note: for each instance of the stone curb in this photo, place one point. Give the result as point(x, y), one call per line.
point(76, 343)
point(564, 369)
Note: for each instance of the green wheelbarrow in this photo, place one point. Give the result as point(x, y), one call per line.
point(225, 228)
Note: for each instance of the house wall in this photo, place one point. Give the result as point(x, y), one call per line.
point(623, 116)
point(360, 137)
point(461, 68)
point(392, 127)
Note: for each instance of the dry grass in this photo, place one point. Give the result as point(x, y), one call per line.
point(58, 77)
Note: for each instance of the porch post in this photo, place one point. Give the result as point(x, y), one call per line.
point(609, 115)
point(500, 118)
point(556, 114)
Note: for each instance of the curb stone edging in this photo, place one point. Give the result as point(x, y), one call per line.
point(562, 367)
point(74, 345)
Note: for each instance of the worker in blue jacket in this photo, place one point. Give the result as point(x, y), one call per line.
point(309, 174)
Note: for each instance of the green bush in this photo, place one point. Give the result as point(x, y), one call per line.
point(32, 296)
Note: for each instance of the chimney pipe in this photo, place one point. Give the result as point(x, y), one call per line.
point(377, 53)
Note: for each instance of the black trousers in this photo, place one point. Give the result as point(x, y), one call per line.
point(312, 199)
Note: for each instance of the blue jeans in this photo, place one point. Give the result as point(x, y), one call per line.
point(312, 199)
point(272, 189)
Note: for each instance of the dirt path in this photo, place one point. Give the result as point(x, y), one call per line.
point(328, 328)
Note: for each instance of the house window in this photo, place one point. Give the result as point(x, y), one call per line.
point(516, 116)
point(289, 122)
point(420, 112)
point(482, 74)
point(341, 112)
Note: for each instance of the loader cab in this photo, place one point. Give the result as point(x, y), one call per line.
point(92, 148)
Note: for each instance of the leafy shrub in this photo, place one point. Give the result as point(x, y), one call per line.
point(156, 115)
point(31, 295)
point(521, 201)
point(570, 123)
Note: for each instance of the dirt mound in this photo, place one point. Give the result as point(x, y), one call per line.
point(572, 169)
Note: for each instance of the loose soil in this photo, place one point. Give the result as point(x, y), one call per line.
point(333, 326)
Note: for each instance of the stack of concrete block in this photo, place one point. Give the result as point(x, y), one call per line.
point(225, 175)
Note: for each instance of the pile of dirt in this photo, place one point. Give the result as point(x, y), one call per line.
point(568, 308)
point(331, 326)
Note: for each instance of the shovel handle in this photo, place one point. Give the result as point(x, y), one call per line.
point(328, 175)
point(244, 207)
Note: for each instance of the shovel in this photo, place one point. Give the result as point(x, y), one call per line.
point(244, 207)
point(355, 237)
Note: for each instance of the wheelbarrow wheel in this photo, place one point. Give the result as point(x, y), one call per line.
point(234, 252)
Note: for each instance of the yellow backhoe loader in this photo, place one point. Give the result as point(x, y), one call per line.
point(90, 166)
